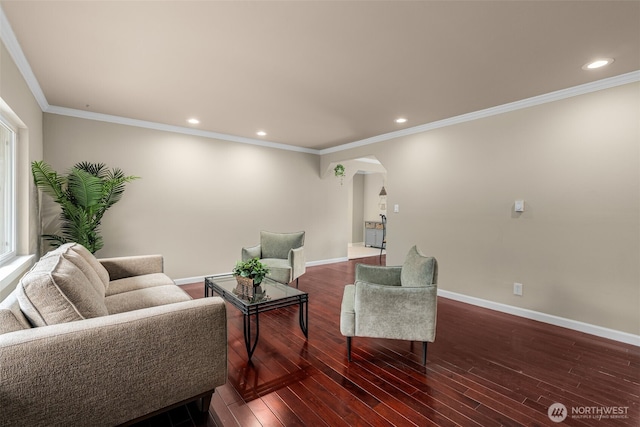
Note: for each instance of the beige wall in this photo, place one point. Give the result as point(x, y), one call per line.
point(372, 185)
point(357, 210)
point(15, 93)
point(200, 200)
point(575, 162)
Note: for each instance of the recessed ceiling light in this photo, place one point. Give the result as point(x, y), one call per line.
point(597, 64)
point(193, 121)
point(261, 133)
point(401, 120)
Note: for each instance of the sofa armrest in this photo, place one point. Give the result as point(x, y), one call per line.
point(251, 252)
point(378, 274)
point(116, 367)
point(130, 266)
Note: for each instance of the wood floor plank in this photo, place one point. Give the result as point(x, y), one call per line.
point(485, 369)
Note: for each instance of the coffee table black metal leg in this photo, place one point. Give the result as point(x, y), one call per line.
point(304, 318)
point(251, 346)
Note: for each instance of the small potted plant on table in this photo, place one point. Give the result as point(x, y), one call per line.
point(249, 274)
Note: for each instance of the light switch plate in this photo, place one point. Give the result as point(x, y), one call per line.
point(519, 206)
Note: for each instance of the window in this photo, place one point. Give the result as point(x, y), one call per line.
point(7, 191)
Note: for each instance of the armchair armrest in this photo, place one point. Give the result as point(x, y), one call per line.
point(160, 356)
point(396, 312)
point(378, 274)
point(297, 262)
point(251, 252)
point(129, 266)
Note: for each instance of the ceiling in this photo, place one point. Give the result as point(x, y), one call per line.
point(315, 74)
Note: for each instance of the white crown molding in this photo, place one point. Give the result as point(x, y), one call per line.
point(575, 325)
point(89, 115)
point(13, 47)
point(607, 83)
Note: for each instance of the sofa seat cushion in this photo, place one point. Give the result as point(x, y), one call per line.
point(56, 290)
point(144, 298)
point(138, 282)
point(279, 269)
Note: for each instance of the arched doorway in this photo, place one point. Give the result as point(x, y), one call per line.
point(364, 177)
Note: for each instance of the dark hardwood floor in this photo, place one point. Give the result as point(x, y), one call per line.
point(484, 369)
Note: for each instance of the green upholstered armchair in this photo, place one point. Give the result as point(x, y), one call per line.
point(392, 302)
point(283, 253)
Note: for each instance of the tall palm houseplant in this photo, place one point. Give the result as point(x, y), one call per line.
point(84, 195)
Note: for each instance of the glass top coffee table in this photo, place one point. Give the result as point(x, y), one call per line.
point(270, 295)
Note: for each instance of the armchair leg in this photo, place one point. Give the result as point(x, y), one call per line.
point(424, 353)
point(349, 348)
point(297, 278)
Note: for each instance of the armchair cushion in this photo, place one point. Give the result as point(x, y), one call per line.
point(279, 269)
point(418, 269)
point(278, 245)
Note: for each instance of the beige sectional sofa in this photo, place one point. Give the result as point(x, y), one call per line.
point(105, 342)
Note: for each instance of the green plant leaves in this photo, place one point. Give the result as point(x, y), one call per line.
point(252, 268)
point(84, 196)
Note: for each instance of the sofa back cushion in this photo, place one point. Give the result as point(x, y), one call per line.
point(57, 290)
point(90, 266)
point(11, 317)
point(278, 245)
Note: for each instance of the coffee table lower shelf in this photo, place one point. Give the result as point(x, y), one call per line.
point(276, 295)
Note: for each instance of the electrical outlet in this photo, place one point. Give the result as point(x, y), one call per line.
point(517, 289)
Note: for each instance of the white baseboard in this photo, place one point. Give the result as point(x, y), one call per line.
point(575, 325)
point(327, 261)
point(197, 279)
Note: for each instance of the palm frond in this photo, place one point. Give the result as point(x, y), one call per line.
point(47, 179)
point(84, 188)
point(55, 240)
point(113, 186)
point(95, 169)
